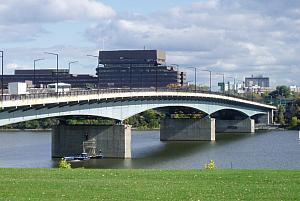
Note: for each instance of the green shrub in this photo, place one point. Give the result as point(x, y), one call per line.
point(210, 165)
point(294, 122)
point(63, 164)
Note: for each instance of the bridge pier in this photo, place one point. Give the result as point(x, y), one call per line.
point(235, 126)
point(114, 141)
point(187, 129)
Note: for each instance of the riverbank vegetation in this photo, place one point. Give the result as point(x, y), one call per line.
point(84, 184)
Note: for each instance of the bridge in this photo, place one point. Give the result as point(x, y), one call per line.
point(121, 104)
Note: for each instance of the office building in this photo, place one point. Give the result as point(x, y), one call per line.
point(257, 81)
point(137, 69)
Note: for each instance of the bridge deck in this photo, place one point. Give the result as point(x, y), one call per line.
point(29, 100)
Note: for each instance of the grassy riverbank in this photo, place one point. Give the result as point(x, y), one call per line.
point(83, 184)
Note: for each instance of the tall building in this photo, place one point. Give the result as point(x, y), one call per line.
point(260, 81)
point(137, 69)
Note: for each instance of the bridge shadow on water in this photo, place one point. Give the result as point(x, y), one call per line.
point(149, 152)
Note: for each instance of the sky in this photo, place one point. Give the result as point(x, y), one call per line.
point(239, 38)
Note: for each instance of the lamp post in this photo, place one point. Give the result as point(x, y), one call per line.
point(209, 78)
point(195, 76)
point(223, 74)
point(55, 54)
point(34, 61)
point(98, 62)
point(234, 82)
point(71, 62)
point(2, 85)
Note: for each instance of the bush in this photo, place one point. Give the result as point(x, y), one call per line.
point(210, 166)
point(63, 164)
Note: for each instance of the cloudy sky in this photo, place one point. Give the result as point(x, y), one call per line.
point(236, 37)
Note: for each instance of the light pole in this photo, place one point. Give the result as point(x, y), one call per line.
point(71, 62)
point(195, 76)
point(209, 78)
point(2, 85)
point(34, 61)
point(233, 84)
point(223, 74)
point(55, 54)
point(98, 71)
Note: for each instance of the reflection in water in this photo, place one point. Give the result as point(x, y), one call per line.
point(263, 150)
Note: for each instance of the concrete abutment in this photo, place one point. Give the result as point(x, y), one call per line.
point(114, 141)
point(187, 129)
point(235, 126)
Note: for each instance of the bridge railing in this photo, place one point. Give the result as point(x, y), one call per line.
point(79, 92)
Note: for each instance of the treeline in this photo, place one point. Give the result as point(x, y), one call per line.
point(34, 124)
point(146, 120)
point(288, 104)
point(149, 119)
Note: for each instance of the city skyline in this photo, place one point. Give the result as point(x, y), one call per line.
point(239, 38)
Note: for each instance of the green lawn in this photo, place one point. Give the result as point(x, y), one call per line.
point(84, 184)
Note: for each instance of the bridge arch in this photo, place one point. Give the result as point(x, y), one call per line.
point(230, 114)
point(119, 110)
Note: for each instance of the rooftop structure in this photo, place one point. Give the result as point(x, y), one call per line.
point(132, 58)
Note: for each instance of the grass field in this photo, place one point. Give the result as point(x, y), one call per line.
point(84, 184)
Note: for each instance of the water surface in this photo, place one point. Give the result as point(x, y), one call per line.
point(271, 150)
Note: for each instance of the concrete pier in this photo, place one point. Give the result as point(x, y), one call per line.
point(235, 126)
point(187, 129)
point(114, 141)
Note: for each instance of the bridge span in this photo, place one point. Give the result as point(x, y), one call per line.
point(122, 104)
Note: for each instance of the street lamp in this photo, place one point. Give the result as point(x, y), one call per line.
point(71, 62)
point(2, 85)
point(223, 74)
point(209, 78)
point(34, 61)
point(195, 78)
point(55, 54)
point(233, 83)
point(98, 72)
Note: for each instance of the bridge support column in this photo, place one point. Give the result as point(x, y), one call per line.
point(114, 141)
point(187, 129)
point(235, 126)
point(271, 117)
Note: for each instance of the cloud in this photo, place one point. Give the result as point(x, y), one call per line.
point(25, 20)
point(237, 37)
point(37, 11)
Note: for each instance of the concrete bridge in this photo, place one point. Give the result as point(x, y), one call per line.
point(115, 140)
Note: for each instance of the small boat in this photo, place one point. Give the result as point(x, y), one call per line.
point(98, 156)
point(82, 157)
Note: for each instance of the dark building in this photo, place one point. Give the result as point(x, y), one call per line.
point(260, 81)
point(137, 69)
point(48, 76)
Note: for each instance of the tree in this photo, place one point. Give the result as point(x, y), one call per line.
point(283, 91)
point(281, 119)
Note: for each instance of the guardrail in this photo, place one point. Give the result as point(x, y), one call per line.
point(110, 91)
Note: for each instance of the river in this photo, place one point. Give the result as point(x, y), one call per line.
point(265, 150)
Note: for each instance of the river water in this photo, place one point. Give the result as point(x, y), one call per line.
point(271, 150)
